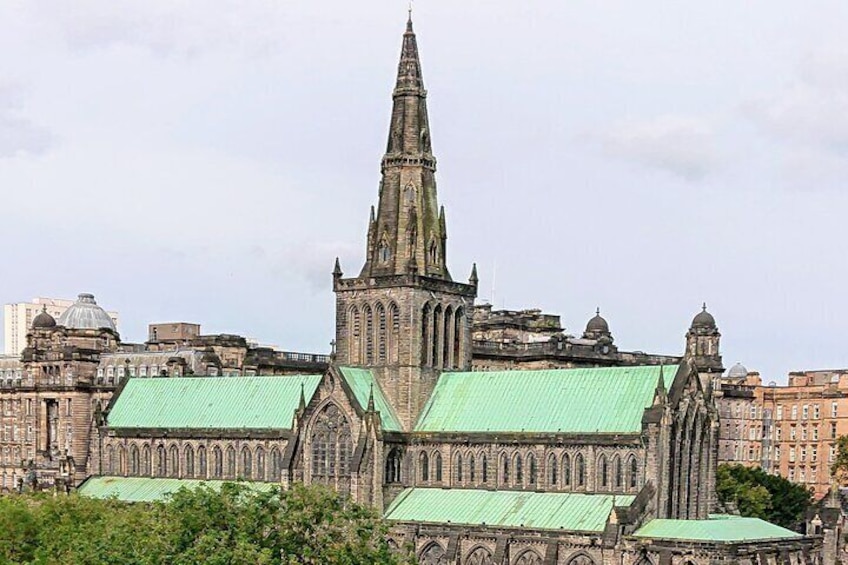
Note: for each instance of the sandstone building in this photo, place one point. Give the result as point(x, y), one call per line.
point(609, 460)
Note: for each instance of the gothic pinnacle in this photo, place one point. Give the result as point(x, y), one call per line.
point(473, 280)
point(337, 270)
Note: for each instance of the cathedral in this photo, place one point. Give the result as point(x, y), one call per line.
point(494, 463)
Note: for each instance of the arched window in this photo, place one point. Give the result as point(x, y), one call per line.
point(531, 469)
point(437, 464)
point(276, 465)
point(122, 460)
point(479, 556)
point(633, 473)
point(161, 462)
point(617, 475)
point(426, 349)
point(424, 467)
point(331, 447)
point(504, 469)
point(188, 470)
point(246, 463)
point(135, 465)
point(382, 334)
point(529, 557)
point(110, 460)
point(553, 472)
point(457, 468)
point(458, 326)
point(579, 471)
point(433, 554)
point(393, 462)
point(355, 342)
point(472, 471)
point(231, 462)
point(519, 470)
point(201, 462)
point(447, 340)
point(174, 463)
point(566, 470)
point(436, 344)
point(369, 334)
point(484, 468)
point(581, 559)
point(145, 460)
point(603, 471)
point(217, 463)
point(394, 341)
point(434, 252)
point(260, 464)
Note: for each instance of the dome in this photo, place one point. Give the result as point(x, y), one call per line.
point(704, 319)
point(85, 314)
point(43, 320)
point(738, 371)
point(597, 325)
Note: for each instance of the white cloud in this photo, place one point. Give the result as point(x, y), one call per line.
point(19, 135)
point(682, 146)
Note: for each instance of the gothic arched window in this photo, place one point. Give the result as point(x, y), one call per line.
point(458, 325)
point(201, 462)
point(135, 467)
point(424, 467)
point(457, 468)
point(260, 464)
point(436, 338)
point(437, 466)
point(633, 472)
point(566, 470)
point(110, 460)
point(246, 463)
point(161, 462)
point(519, 470)
point(447, 342)
point(174, 461)
point(355, 342)
point(603, 471)
point(484, 468)
point(581, 559)
point(231, 462)
point(529, 557)
point(504, 469)
point(122, 460)
point(433, 554)
point(331, 446)
point(579, 471)
point(531, 469)
point(217, 463)
point(479, 556)
point(188, 470)
point(617, 474)
point(276, 465)
point(382, 337)
point(553, 472)
point(394, 341)
point(369, 334)
point(145, 460)
point(393, 462)
point(426, 349)
point(472, 471)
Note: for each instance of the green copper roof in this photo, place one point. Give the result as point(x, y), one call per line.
point(362, 382)
point(140, 489)
point(575, 512)
point(211, 402)
point(599, 400)
point(719, 528)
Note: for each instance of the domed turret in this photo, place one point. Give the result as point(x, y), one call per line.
point(738, 371)
point(598, 329)
point(43, 320)
point(85, 314)
point(703, 319)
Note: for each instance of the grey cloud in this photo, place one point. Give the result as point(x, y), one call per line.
point(682, 146)
point(19, 135)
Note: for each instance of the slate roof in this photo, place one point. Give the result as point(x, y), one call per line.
point(142, 489)
point(211, 402)
point(718, 529)
point(590, 400)
point(576, 512)
point(362, 382)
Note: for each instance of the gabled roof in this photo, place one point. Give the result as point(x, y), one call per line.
point(576, 512)
point(211, 402)
point(142, 489)
point(718, 529)
point(362, 383)
point(594, 400)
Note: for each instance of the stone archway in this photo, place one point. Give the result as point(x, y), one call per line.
point(433, 554)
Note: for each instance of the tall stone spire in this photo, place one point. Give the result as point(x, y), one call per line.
point(408, 235)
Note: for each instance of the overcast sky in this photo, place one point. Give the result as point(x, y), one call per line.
point(206, 161)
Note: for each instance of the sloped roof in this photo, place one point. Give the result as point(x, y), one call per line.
point(592, 400)
point(142, 489)
point(576, 512)
point(211, 402)
point(362, 382)
point(718, 529)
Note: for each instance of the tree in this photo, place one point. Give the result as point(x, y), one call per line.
point(758, 494)
point(839, 469)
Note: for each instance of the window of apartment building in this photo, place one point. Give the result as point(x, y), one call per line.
point(803, 454)
point(816, 412)
point(792, 433)
point(142, 371)
point(754, 412)
point(815, 433)
point(794, 412)
point(805, 412)
point(803, 433)
point(833, 430)
point(802, 475)
point(813, 473)
point(779, 433)
point(750, 454)
point(132, 371)
point(121, 374)
point(792, 454)
point(154, 371)
point(831, 456)
point(777, 454)
point(814, 453)
point(791, 473)
point(834, 409)
point(752, 434)
point(779, 413)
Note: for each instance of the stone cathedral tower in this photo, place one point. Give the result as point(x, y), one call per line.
point(403, 316)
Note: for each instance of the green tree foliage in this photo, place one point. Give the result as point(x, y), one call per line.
point(839, 469)
point(758, 494)
point(232, 526)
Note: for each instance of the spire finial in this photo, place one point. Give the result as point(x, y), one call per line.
point(409, 20)
point(371, 398)
point(473, 278)
point(598, 311)
point(302, 404)
point(704, 307)
point(337, 269)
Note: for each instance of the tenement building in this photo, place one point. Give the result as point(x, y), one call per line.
point(578, 458)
